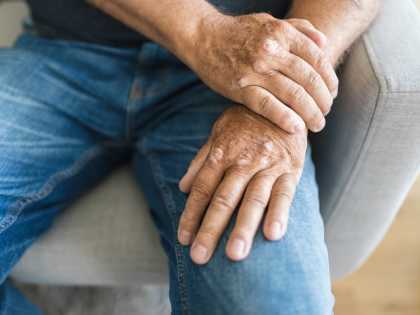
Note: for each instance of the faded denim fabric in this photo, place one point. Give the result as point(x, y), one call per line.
point(72, 111)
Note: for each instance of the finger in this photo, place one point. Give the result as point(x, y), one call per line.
point(262, 102)
point(202, 189)
point(249, 216)
point(195, 165)
point(275, 222)
point(309, 30)
point(312, 54)
point(303, 74)
point(295, 96)
point(218, 214)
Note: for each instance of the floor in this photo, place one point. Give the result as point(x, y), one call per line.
point(389, 283)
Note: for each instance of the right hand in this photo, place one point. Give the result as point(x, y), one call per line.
point(274, 67)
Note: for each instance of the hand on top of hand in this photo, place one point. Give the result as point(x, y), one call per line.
point(277, 68)
point(255, 170)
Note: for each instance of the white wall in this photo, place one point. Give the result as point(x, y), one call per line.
point(11, 14)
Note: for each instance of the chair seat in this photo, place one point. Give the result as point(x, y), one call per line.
point(106, 238)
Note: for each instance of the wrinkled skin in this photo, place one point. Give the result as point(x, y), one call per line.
point(276, 68)
point(245, 157)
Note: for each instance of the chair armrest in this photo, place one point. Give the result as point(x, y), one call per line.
point(369, 155)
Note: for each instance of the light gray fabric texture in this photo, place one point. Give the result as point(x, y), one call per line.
point(72, 300)
point(105, 238)
point(367, 159)
point(369, 154)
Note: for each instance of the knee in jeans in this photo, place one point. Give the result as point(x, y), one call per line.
point(294, 296)
point(276, 276)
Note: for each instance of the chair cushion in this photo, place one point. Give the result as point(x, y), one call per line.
point(105, 238)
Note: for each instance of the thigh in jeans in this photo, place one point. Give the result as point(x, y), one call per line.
point(289, 277)
point(48, 156)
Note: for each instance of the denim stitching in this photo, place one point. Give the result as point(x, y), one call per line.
point(170, 204)
point(16, 208)
point(130, 106)
point(15, 248)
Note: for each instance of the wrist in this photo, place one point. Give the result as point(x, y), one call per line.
point(185, 41)
point(334, 51)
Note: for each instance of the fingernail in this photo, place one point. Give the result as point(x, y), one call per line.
point(184, 237)
point(237, 248)
point(320, 126)
point(328, 111)
point(199, 253)
point(275, 230)
point(181, 185)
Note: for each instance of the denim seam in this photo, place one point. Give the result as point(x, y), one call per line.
point(170, 204)
point(130, 109)
point(15, 248)
point(15, 209)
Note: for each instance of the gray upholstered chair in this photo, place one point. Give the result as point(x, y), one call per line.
point(367, 159)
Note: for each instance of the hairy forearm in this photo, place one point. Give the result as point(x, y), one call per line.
point(171, 23)
point(342, 21)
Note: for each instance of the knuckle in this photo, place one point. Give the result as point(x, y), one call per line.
point(265, 105)
point(266, 150)
point(283, 194)
point(188, 219)
point(223, 202)
point(288, 117)
point(256, 200)
point(215, 157)
point(267, 146)
point(312, 78)
point(321, 61)
point(243, 81)
point(207, 235)
point(289, 121)
point(296, 93)
point(243, 163)
point(241, 170)
point(200, 191)
point(294, 63)
point(269, 45)
point(288, 181)
point(259, 66)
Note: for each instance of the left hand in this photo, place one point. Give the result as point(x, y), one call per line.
point(246, 158)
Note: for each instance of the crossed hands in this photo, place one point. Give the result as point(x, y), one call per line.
point(254, 157)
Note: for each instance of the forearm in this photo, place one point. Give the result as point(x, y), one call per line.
point(342, 21)
point(170, 23)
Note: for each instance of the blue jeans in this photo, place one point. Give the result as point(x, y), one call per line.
point(71, 112)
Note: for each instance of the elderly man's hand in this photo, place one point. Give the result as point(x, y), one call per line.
point(277, 68)
point(250, 164)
